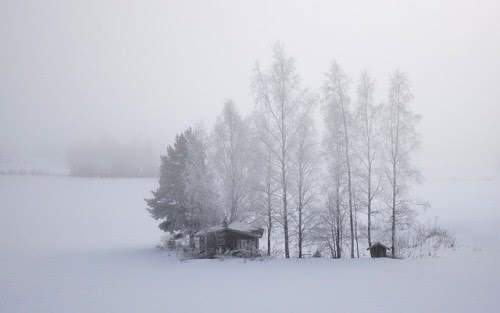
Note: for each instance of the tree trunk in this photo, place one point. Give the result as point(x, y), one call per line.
point(300, 230)
point(234, 201)
point(285, 205)
point(356, 231)
point(339, 224)
point(393, 233)
point(285, 218)
point(269, 194)
point(369, 205)
point(300, 207)
point(269, 225)
point(269, 237)
point(368, 135)
point(232, 216)
point(283, 180)
point(394, 179)
point(351, 222)
point(349, 182)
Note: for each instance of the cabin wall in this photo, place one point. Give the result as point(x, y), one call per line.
point(220, 242)
point(211, 244)
point(234, 241)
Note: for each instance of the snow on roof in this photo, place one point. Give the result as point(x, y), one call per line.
point(242, 226)
point(234, 226)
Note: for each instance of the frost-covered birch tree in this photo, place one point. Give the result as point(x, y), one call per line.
point(199, 183)
point(278, 96)
point(264, 178)
point(269, 191)
point(200, 194)
point(400, 140)
point(230, 159)
point(333, 143)
point(305, 171)
point(335, 91)
point(367, 121)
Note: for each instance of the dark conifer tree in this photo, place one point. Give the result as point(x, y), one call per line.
point(169, 200)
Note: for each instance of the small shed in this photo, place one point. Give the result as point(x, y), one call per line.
point(378, 250)
point(226, 238)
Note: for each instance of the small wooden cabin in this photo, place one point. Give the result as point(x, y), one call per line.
point(378, 250)
point(228, 238)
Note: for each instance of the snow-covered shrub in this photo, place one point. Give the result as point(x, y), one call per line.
point(425, 240)
point(243, 253)
point(188, 252)
point(172, 241)
point(164, 240)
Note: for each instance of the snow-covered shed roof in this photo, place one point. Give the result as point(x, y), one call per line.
point(238, 227)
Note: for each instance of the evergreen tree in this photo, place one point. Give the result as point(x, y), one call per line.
point(169, 200)
point(184, 200)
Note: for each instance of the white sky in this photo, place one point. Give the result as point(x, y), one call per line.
point(81, 69)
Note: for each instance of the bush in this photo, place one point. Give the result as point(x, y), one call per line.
point(242, 253)
point(425, 240)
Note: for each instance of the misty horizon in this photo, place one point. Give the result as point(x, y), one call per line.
point(73, 72)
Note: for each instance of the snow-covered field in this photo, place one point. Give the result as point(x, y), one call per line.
point(87, 245)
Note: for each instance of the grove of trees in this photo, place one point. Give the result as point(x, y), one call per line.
point(332, 187)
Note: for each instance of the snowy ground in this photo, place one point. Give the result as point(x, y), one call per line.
point(86, 245)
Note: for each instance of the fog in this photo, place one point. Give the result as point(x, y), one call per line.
point(74, 71)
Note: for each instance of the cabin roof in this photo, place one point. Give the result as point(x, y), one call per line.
point(236, 227)
point(378, 244)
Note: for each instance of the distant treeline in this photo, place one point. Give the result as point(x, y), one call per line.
point(28, 172)
point(108, 158)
